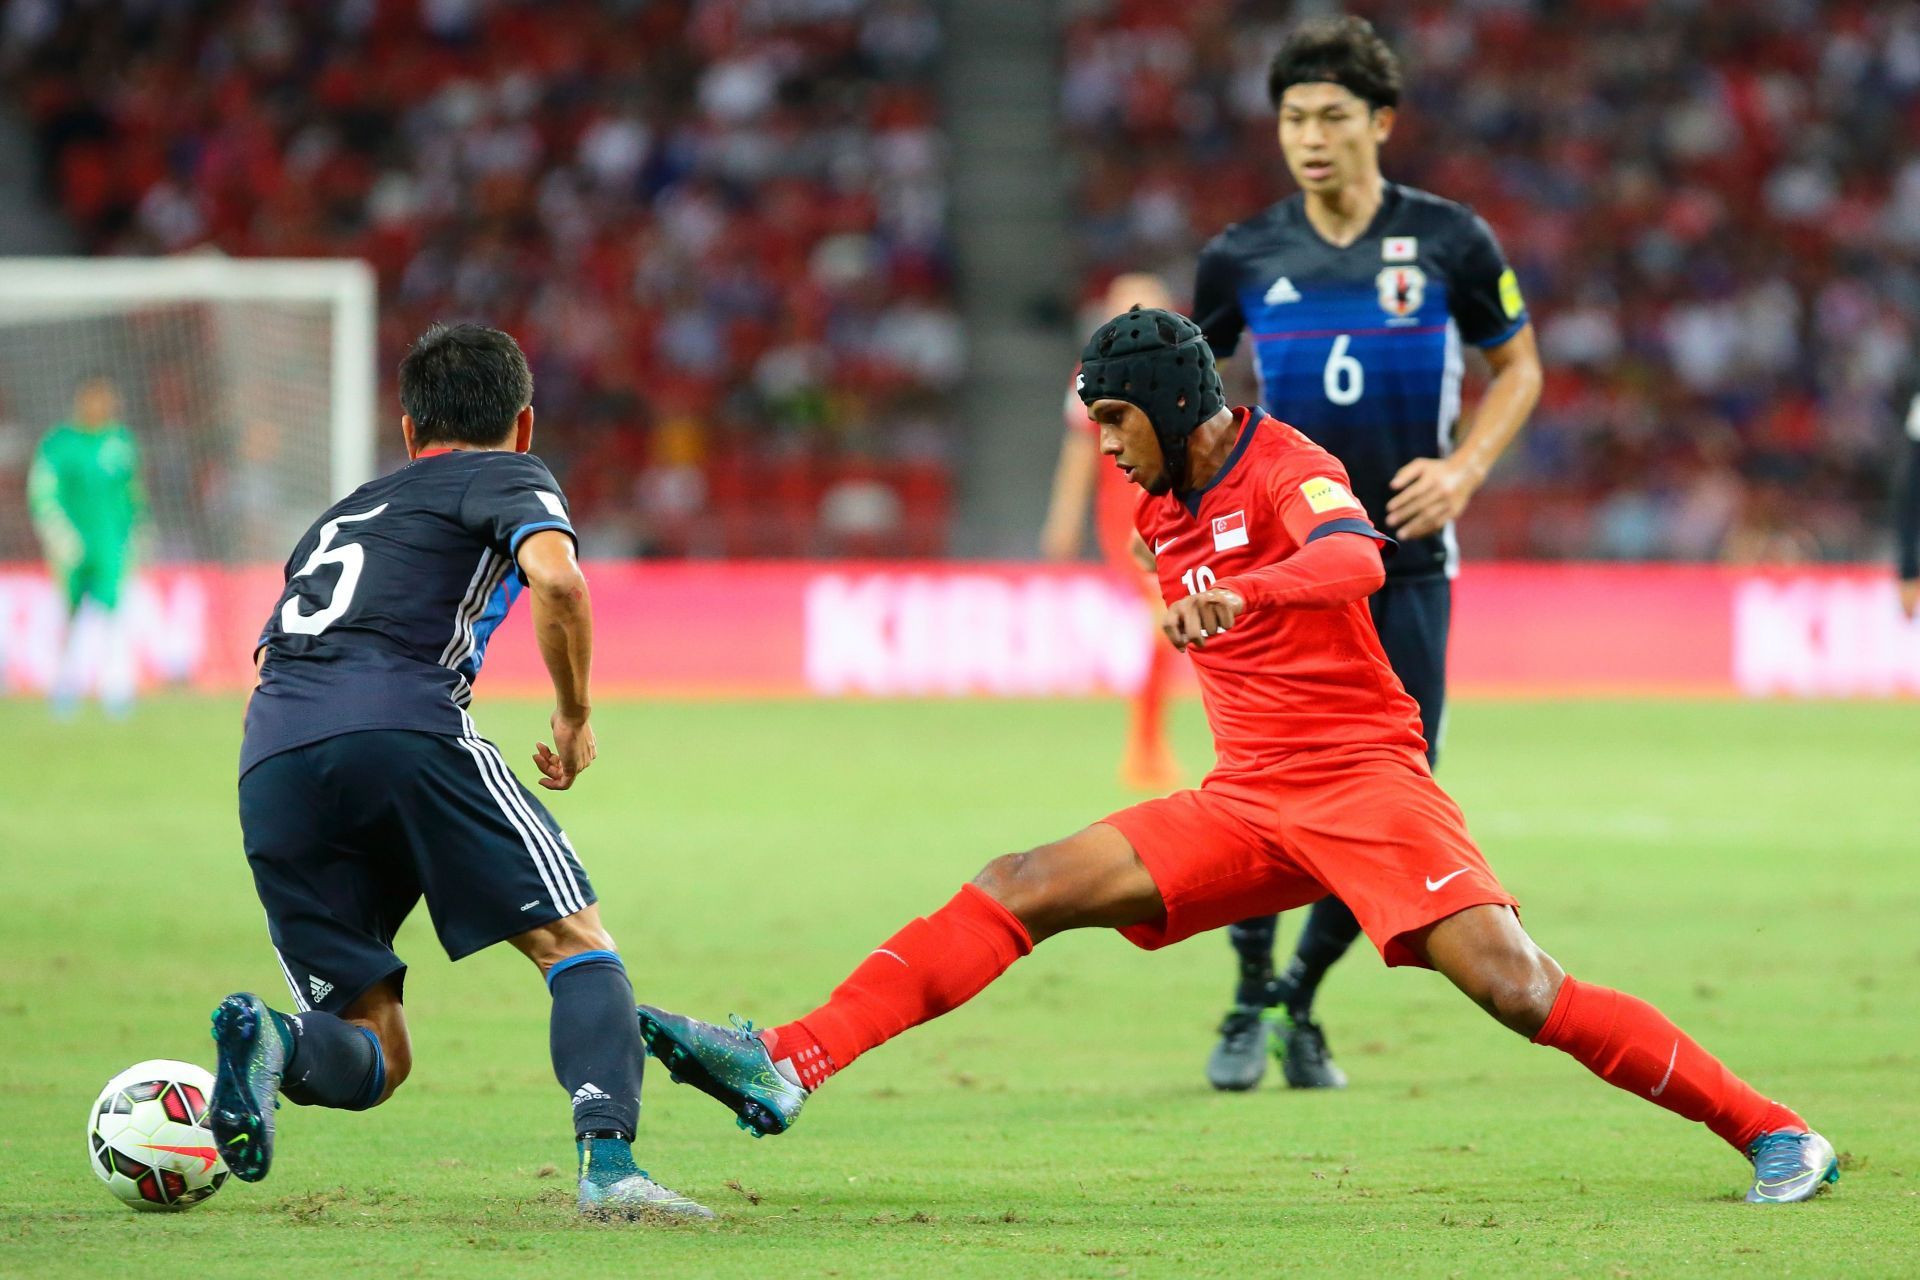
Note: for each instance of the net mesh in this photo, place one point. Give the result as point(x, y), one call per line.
point(229, 401)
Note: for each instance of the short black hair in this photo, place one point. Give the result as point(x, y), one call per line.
point(464, 384)
point(1343, 51)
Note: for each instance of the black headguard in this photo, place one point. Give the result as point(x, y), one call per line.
point(1161, 363)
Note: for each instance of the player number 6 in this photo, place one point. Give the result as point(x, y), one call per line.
point(1343, 377)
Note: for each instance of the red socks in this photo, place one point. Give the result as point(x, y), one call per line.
point(1632, 1046)
point(934, 965)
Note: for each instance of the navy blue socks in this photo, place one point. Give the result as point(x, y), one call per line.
point(1329, 931)
point(330, 1062)
point(595, 1041)
point(1253, 943)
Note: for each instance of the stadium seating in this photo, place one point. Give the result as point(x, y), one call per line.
point(718, 227)
point(1714, 211)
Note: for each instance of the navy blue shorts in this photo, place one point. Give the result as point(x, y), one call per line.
point(1412, 616)
point(345, 835)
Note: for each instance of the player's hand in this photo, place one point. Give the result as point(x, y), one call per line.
point(1910, 597)
point(572, 751)
point(1428, 492)
point(1192, 621)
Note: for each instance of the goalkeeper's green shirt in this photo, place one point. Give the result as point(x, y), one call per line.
point(85, 488)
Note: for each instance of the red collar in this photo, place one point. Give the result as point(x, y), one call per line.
point(436, 450)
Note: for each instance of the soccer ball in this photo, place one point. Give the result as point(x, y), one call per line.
point(147, 1136)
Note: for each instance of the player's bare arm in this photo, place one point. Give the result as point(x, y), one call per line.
point(563, 626)
point(1073, 479)
point(1430, 492)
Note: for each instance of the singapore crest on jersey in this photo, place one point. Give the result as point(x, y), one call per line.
point(1402, 290)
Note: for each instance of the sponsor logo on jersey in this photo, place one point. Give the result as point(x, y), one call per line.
point(1510, 300)
point(1402, 290)
point(1324, 494)
point(551, 501)
point(1280, 291)
point(1230, 531)
point(1400, 249)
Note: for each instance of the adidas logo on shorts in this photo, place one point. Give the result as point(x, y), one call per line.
point(321, 989)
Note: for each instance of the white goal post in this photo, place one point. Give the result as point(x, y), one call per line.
point(247, 383)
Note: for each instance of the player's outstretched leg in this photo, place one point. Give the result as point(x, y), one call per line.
point(314, 1058)
point(1305, 1059)
point(1239, 1057)
point(597, 1058)
point(931, 967)
point(1629, 1044)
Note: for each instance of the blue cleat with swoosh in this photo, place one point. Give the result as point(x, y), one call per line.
point(1789, 1167)
point(252, 1049)
point(729, 1064)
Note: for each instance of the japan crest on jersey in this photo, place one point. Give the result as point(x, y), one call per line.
point(1402, 289)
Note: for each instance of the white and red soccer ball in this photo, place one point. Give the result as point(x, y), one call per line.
point(147, 1136)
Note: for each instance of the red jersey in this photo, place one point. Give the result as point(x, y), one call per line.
point(1283, 679)
point(1114, 496)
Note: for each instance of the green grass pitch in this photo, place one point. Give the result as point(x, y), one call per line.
point(1750, 868)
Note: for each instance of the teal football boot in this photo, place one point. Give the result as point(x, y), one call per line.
point(252, 1047)
point(1789, 1167)
point(613, 1186)
point(728, 1063)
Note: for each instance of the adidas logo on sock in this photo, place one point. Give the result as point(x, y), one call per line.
point(319, 987)
point(589, 1092)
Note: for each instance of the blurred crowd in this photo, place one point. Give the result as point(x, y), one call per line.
point(718, 226)
point(1714, 210)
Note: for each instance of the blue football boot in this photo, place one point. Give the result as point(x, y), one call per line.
point(730, 1064)
point(252, 1049)
point(613, 1186)
point(1789, 1167)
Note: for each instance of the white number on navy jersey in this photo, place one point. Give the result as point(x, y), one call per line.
point(1345, 381)
point(1197, 580)
point(351, 559)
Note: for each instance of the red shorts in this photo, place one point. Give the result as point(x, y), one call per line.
point(1366, 824)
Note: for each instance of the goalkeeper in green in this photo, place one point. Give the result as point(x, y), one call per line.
point(87, 503)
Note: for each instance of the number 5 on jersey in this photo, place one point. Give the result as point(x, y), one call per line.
point(351, 559)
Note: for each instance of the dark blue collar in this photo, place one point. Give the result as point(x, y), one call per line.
point(1191, 500)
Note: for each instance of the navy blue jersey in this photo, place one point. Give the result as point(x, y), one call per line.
point(392, 596)
point(1359, 347)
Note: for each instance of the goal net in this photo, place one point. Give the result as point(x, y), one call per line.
point(247, 386)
